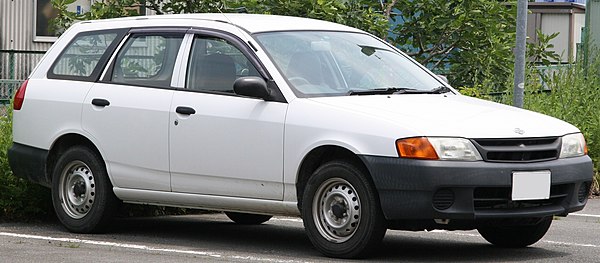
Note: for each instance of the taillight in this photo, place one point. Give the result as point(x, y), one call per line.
point(20, 96)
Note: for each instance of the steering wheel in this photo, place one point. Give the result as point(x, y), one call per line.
point(299, 81)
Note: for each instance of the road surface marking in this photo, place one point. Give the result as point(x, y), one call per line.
point(570, 244)
point(288, 219)
point(584, 215)
point(147, 248)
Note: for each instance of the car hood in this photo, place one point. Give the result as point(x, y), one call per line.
point(451, 115)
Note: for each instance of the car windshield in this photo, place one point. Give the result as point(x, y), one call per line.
point(323, 63)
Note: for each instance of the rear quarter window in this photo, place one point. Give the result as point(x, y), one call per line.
point(86, 55)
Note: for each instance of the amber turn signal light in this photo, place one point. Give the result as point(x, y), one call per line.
point(416, 148)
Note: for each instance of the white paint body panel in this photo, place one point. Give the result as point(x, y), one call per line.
point(239, 154)
point(51, 109)
point(232, 146)
point(132, 133)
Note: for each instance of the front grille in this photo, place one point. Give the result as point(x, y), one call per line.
point(518, 149)
point(500, 198)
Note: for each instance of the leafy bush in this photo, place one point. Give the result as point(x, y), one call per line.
point(19, 199)
point(568, 92)
point(571, 94)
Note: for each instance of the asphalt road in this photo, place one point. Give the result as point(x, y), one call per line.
point(213, 238)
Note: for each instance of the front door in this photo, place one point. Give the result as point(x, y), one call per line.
point(221, 143)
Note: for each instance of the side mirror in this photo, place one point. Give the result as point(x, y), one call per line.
point(252, 87)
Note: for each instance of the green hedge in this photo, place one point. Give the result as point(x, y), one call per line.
point(567, 92)
point(19, 199)
point(574, 96)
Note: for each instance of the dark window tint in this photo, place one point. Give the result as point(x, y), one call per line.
point(147, 60)
point(215, 64)
point(82, 55)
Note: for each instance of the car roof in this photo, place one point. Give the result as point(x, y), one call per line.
point(253, 23)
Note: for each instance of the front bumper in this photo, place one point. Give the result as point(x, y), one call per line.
point(424, 189)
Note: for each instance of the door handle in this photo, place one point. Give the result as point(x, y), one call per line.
point(185, 110)
point(100, 102)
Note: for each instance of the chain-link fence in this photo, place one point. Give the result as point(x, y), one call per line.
point(15, 66)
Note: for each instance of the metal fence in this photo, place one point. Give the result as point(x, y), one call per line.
point(15, 66)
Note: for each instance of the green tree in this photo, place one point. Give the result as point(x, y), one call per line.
point(355, 13)
point(470, 40)
point(187, 6)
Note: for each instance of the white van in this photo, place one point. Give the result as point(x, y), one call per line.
point(261, 115)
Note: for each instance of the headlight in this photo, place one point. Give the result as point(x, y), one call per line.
point(573, 145)
point(455, 149)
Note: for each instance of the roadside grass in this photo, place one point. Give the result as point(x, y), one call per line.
point(569, 92)
point(572, 94)
point(19, 199)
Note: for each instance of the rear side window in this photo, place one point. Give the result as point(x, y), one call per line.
point(147, 60)
point(84, 58)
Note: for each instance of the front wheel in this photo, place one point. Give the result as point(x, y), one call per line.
point(341, 211)
point(516, 236)
point(247, 219)
point(82, 194)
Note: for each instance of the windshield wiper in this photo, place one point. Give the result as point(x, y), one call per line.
point(388, 90)
point(394, 90)
point(438, 90)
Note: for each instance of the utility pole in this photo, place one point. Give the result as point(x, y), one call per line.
point(519, 84)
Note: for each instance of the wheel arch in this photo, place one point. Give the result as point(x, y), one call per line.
point(61, 144)
point(317, 157)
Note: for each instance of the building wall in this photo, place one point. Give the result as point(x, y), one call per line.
point(594, 21)
point(564, 18)
point(579, 24)
point(16, 24)
point(552, 23)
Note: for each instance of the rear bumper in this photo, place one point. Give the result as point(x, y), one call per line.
point(29, 163)
point(425, 190)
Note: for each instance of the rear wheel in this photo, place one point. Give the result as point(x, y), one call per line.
point(247, 219)
point(516, 236)
point(82, 194)
point(341, 211)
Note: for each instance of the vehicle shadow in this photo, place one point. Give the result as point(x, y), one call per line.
point(287, 239)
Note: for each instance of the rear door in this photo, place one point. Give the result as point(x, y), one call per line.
point(54, 98)
point(128, 112)
point(221, 143)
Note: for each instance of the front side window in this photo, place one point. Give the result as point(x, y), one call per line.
point(147, 60)
point(215, 64)
point(323, 63)
point(80, 58)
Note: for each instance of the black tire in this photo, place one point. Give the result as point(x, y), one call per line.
point(90, 204)
point(346, 221)
point(516, 236)
point(247, 219)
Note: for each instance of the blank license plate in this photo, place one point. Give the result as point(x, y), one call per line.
point(531, 185)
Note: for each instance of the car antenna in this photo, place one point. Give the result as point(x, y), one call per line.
point(240, 10)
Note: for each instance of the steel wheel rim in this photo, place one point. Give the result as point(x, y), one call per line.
point(336, 210)
point(77, 189)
